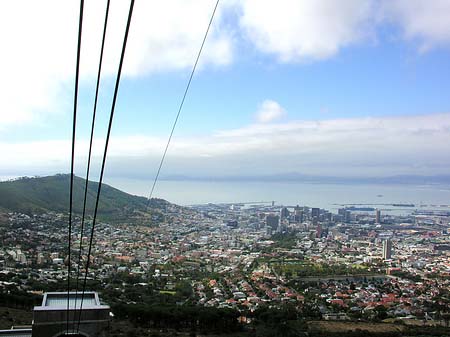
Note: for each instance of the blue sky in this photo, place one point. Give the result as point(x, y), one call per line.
point(317, 87)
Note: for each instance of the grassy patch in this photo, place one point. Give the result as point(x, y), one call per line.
point(167, 292)
point(10, 317)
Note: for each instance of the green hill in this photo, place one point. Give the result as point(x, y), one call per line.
point(42, 194)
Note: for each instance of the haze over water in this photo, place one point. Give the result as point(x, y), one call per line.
point(290, 193)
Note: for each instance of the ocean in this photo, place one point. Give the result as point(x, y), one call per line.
point(327, 196)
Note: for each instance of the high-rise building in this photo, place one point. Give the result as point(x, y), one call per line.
point(319, 231)
point(282, 227)
point(344, 214)
point(348, 216)
point(315, 212)
point(272, 221)
point(298, 214)
point(284, 213)
point(387, 249)
point(378, 216)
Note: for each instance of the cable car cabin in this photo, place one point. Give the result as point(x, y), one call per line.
point(50, 318)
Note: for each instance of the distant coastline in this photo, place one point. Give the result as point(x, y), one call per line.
point(416, 180)
point(301, 178)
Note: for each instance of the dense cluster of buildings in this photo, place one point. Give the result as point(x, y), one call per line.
point(351, 264)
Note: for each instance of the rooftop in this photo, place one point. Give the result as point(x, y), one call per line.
point(58, 301)
point(16, 333)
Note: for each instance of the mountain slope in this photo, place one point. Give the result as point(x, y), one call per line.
point(37, 195)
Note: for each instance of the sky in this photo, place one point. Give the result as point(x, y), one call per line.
point(319, 87)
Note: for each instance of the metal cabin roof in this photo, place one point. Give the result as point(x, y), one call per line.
point(15, 333)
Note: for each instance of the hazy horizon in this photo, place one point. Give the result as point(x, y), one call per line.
point(328, 194)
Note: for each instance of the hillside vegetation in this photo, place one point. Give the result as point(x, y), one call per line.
point(43, 194)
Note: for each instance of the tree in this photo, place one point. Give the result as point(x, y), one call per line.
point(381, 312)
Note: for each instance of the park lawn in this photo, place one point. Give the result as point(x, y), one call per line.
point(167, 292)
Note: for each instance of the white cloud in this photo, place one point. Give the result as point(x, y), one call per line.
point(39, 44)
point(33, 58)
point(308, 29)
point(269, 111)
point(168, 36)
point(39, 39)
point(425, 21)
point(359, 146)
